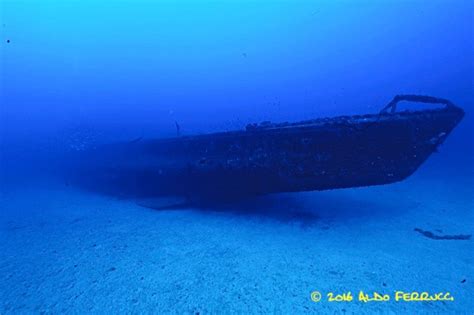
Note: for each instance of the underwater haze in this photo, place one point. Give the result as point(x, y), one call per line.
point(80, 75)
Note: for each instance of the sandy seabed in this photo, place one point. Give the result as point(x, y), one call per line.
point(65, 250)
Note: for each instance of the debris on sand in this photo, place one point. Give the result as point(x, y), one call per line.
point(434, 236)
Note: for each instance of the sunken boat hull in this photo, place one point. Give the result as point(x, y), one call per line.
point(330, 153)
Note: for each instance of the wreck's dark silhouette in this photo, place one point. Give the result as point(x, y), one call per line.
point(327, 153)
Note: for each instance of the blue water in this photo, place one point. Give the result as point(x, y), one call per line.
point(78, 74)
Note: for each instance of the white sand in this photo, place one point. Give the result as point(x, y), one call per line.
point(63, 250)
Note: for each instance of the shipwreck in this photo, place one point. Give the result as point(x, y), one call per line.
point(318, 154)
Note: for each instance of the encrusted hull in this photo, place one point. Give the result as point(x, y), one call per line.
point(340, 152)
